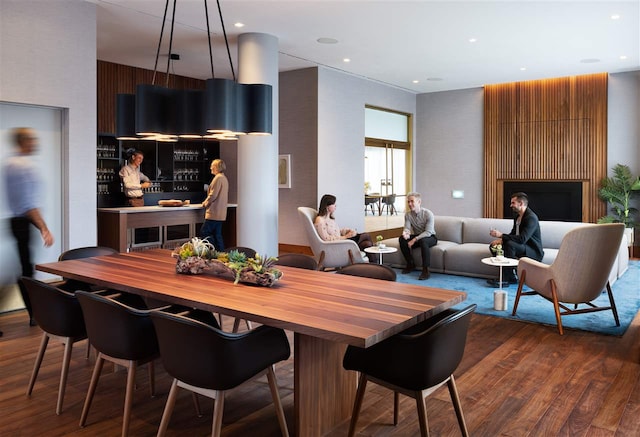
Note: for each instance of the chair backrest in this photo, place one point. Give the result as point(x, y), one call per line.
point(249, 252)
point(336, 252)
point(367, 270)
point(390, 199)
point(116, 329)
point(204, 356)
point(86, 252)
point(299, 260)
point(56, 311)
point(584, 261)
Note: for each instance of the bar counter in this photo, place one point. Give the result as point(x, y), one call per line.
point(116, 225)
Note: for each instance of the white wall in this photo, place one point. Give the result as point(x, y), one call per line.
point(623, 128)
point(48, 58)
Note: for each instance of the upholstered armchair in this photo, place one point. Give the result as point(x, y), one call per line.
point(329, 254)
point(579, 273)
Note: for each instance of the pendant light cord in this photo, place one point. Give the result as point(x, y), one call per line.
point(226, 41)
point(164, 18)
point(206, 14)
point(173, 20)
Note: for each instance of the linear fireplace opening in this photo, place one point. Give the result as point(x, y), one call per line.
point(550, 200)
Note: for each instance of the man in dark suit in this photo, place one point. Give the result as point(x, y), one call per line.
point(524, 238)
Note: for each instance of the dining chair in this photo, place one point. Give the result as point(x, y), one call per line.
point(71, 285)
point(371, 201)
point(249, 252)
point(122, 335)
point(375, 271)
point(415, 362)
point(205, 360)
point(388, 202)
point(579, 273)
point(59, 315)
point(299, 260)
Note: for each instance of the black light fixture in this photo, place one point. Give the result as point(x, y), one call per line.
point(224, 110)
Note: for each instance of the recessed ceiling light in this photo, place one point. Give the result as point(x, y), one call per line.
point(434, 79)
point(615, 17)
point(239, 24)
point(416, 81)
point(589, 61)
point(523, 68)
point(623, 57)
point(327, 40)
point(346, 60)
point(473, 39)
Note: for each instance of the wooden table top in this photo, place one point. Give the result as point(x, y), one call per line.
point(340, 308)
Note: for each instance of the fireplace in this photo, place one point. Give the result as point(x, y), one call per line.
point(550, 200)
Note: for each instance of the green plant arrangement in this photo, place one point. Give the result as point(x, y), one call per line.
point(618, 192)
point(198, 256)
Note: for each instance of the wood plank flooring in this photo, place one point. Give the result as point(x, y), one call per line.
point(516, 379)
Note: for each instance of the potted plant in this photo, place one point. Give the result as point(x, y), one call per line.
point(618, 192)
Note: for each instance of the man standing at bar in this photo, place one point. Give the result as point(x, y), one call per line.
point(133, 180)
point(216, 205)
point(419, 231)
point(24, 189)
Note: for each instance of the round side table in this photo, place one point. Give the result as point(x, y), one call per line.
point(504, 262)
point(377, 250)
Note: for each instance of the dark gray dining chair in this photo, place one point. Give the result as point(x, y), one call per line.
point(205, 360)
point(298, 260)
point(59, 315)
point(415, 362)
point(369, 270)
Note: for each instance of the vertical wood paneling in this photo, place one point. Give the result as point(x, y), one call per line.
point(547, 130)
point(115, 79)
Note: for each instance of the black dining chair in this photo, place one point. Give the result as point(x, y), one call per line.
point(369, 270)
point(72, 285)
point(371, 201)
point(415, 362)
point(388, 202)
point(299, 260)
point(59, 315)
point(205, 360)
point(122, 335)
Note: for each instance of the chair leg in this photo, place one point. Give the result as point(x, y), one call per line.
point(455, 398)
point(68, 348)
point(168, 408)
point(218, 410)
point(128, 397)
point(362, 386)
point(556, 305)
point(422, 414)
point(396, 405)
point(196, 404)
point(36, 367)
point(613, 304)
point(97, 369)
point(273, 385)
point(519, 292)
point(152, 378)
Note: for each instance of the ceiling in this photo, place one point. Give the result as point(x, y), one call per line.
point(418, 46)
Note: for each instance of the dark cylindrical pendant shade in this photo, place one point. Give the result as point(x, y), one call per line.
point(258, 110)
point(220, 106)
point(191, 114)
point(156, 110)
point(126, 117)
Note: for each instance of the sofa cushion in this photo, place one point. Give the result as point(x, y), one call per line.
point(476, 230)
point(465, 259)
point(449, 228)
point(552, 233)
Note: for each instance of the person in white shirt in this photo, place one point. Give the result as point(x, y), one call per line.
point(133, 180)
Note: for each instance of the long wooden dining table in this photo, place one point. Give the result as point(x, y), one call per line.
point(325, 311)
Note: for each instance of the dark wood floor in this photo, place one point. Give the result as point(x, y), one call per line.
point(516, 379)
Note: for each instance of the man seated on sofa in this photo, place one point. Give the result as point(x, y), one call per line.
point(523, 240)
point(419, 231)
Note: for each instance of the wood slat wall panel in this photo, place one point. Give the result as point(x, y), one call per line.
point(546, 130)
point(115, 79)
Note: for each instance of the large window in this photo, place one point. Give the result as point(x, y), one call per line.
point(387, 164)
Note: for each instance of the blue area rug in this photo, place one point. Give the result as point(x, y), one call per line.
point(626, 293)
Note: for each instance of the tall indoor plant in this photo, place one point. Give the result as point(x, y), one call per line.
point(618, 192)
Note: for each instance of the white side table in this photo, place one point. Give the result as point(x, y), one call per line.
point(504, 262)
point(379, 251)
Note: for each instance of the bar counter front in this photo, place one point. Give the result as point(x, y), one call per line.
point(117, 226)
point(325, 311)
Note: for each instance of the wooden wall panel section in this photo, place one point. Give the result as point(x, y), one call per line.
point(546, 130)
point(116, 79)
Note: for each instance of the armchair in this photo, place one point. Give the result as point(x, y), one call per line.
point(329, 254)
point(579, 273)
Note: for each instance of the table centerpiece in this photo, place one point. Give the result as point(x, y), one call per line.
point(198, 256)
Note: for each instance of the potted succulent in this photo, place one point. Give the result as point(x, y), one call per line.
point(618, 192)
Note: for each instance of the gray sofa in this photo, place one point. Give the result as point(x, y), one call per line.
point(464, 241)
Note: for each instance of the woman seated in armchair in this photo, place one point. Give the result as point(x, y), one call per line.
point(329, 230)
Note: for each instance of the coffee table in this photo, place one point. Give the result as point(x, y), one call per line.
point(380, 251)
point(503, 262)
